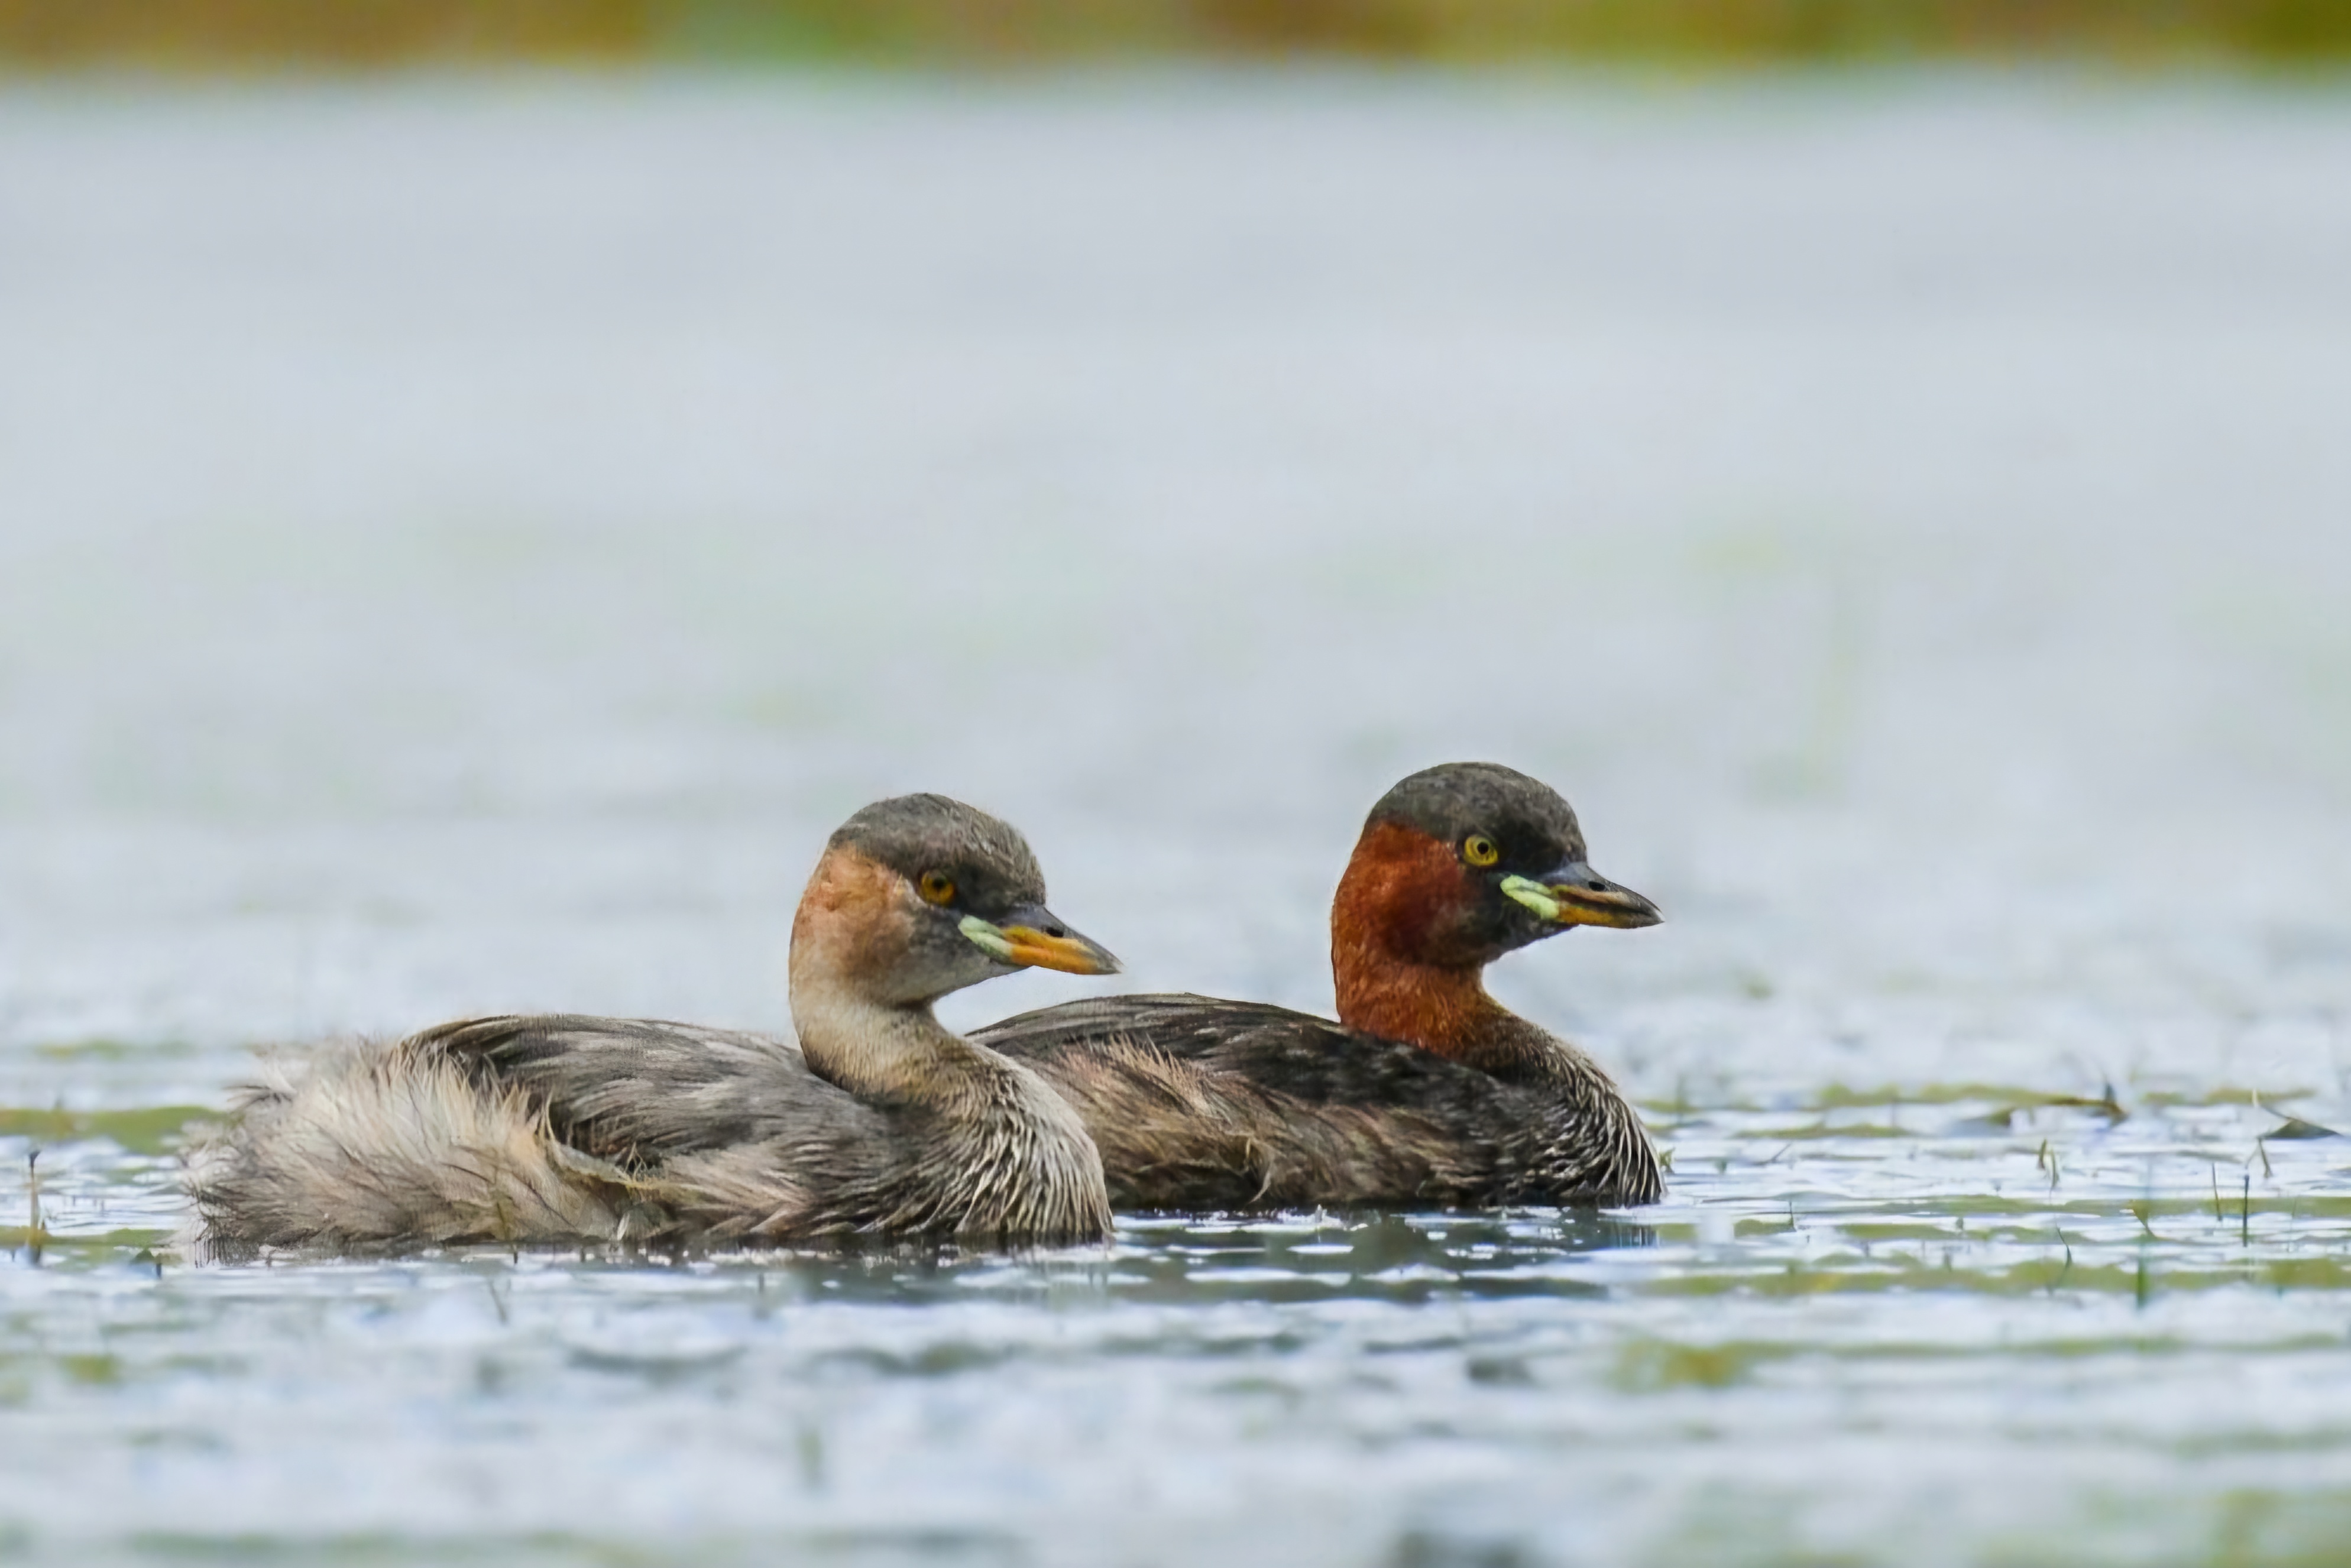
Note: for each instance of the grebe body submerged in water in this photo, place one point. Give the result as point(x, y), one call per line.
point(1427, 1091)
point(561, 1130)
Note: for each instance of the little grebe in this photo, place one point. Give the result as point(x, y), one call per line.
point(571, 1130)
point(1427, 1091)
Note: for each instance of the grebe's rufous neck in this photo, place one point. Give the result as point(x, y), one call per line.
point(1458, 865)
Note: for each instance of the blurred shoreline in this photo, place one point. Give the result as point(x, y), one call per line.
point(200, 35)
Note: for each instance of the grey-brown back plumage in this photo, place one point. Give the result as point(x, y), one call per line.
point(1197, 1103)
point(567, 1130)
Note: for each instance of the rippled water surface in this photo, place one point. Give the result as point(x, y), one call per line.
point(461, 545)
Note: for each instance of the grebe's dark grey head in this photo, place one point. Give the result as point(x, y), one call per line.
point(1465, 861)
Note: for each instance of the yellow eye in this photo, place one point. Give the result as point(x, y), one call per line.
point(937, 886)
point(1478, 850)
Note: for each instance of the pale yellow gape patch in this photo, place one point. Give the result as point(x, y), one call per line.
point(1534, 894)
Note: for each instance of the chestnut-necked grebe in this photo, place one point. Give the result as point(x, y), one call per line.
point(1427, 1091)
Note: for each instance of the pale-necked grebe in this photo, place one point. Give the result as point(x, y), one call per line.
point(569, 1130)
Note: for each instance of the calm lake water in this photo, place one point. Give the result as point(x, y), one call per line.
point(463, 544)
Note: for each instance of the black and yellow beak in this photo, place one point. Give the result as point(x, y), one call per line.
point(1036, 939)
point(1575, 895)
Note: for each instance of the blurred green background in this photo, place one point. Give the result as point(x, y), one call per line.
point(244, 33)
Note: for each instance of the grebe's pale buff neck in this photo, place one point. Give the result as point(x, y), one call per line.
point(1458, 865)
point(915, 898)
